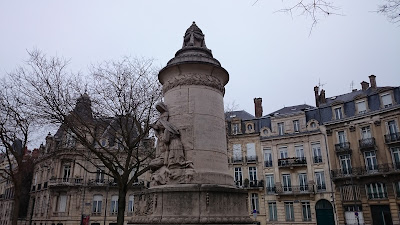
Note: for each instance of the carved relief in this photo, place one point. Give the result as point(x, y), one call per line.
point(170, 165)
point(145, 205)
point(194, 79)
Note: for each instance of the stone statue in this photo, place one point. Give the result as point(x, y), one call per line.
point(170, 164)
point(194, 37)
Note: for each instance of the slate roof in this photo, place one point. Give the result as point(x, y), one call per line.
point(292, 109)
point(242, 114)
point(351, 95)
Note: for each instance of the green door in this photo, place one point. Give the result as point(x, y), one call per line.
point(381, 215)
point(324, 212)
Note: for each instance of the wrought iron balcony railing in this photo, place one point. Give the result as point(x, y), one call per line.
point(370, 170)
point(392, 138)
point(254, 184)
point(237, 159)
point(343, 147)
point(289, 162)
point(367, 143)
point(317, 159)
point(270, 189)
point(268, 163)
point(300, 189)
point(379, 195)
point(65, 181)
point(251, 159)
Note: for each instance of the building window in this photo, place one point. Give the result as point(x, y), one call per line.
point(114, 204)
point(281, 130)
point(320, 181)
point(306, 211)
point(100, 175)
point(267, 157)
point(338, 113)
point(265, 132)
point(303, 182)
point(273, 212)
point(238, 176)
point(62, 203)
point(249, 127)
point(361, 106)
point(131, 203)
point(235, 128)
point(370, 161)
point(287, 183)
point(253, 174)
point(365, 132)
point(269, 183)
point(296, 126)
point(316, 148)
point(376, 191)
point(237, 153)
point(283, 153)
point(254, 202)
point(392, 127)
point(341, 138)
point(251, 152)
point(299, 151)
point(97, 201)
point(396, 156)
point(345, 163)
point(66, 173)
point(313, 125)
point(70, 140)
point(289, 212)
point(386, 100)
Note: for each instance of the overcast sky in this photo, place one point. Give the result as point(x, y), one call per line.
point(267, 54)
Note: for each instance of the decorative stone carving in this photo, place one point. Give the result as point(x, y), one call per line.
point(145, 204)
point(352, 128)
point(194, 79)
point(170, 165)
point(377, 123)
point(329, 132)
point(194, 37)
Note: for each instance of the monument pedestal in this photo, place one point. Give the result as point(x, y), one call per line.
point(191, 204)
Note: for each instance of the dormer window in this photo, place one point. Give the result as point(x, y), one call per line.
point(338, 113)
point(235, 128)
point(313, 125)
point(386, 100)
point(296, 126)
point(280, 129)
point(361, 106)
point(249, 127)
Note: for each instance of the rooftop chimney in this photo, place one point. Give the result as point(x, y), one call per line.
point(316, 90)
point(258, 107)
point(372, 80)
point(322, 98)
point(364, 85)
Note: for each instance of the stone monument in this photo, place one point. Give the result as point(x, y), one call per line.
point(190, 181)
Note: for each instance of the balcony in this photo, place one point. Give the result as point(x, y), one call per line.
point(343, 148)
point(321, 187)
point(291, 162)
point(65, 182)
point(237, 160)
point(367, 143)
point(379, 195)
point(317, 159)
point(254, 184)
point(366, 171)
point(251, 159)
point(268, 163)
point(270, 189)
point(392, 138)
point(294, 190)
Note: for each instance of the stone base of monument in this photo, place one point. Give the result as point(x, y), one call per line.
point(191, 204)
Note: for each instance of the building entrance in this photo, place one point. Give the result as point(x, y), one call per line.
point(324, 211)
point(381, 215)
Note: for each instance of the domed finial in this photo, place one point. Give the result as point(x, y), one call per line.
point(194, 37)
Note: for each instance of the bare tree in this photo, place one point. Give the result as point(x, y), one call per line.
point(391, 9)
point(117, 103)
point(15, 128)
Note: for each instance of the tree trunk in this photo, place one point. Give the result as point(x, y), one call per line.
point(121, 204)
point(15, 209)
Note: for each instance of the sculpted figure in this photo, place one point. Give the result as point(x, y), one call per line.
point(170, 163)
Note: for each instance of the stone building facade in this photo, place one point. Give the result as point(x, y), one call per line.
point(281, 159)
point(362, 129)
point(67, 188)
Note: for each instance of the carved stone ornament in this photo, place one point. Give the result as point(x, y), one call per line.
point(194, 79)
point(352, 128)
point(170, 165)
point(377, 123)
point(145, 205)
point(329, 132)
